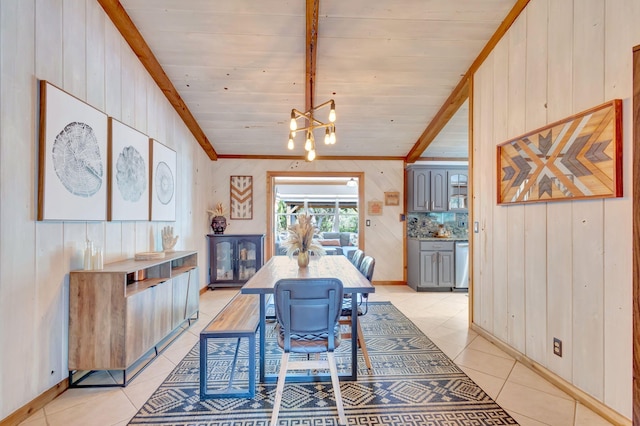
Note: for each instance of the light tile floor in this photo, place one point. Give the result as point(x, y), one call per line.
point(443, 317)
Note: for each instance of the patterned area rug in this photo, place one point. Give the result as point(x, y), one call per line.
point(413, 383)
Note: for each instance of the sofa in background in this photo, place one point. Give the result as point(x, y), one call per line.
point(345, 243)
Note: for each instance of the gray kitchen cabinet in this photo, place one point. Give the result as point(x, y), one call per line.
point(458, 182)
point(436, 189)
point(430, 265)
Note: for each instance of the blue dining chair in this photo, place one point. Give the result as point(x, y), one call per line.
point(362, 306)
point(356, 259)
point(307, 313)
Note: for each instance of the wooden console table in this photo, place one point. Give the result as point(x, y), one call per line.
point(121, 317)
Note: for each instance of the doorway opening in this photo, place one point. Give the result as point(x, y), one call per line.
point(334, 198)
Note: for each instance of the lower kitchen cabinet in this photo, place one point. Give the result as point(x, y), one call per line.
point(430, 265)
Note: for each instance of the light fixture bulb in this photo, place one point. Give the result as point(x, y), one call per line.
point(290, 144)
point(332, 113)
point(293, 125)
point(327, 137)
point(351, 183)
point(312, 155)
point(332, 136)
point(307, 144)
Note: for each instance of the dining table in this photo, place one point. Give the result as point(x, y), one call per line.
point(279, 267)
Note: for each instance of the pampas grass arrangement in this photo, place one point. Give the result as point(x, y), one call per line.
point(301, 237)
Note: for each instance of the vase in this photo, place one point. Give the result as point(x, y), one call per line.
point(219, 224)
point(303, 259)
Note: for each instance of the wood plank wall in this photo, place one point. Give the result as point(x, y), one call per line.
point(75, 46)
point(636, 235)
point(558, 269)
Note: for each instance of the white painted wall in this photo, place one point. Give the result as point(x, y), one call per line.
point(383, 239)
point(75, 46)
point(558, 269)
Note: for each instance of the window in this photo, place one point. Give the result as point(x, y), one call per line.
point(339, 216)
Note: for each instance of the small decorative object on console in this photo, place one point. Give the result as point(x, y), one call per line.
point(219, 222)
point(168, 240)
point(149, 255)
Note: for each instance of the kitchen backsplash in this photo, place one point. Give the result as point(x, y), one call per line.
point(424, 225)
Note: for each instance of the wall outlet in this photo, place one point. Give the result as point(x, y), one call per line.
point(557, 347)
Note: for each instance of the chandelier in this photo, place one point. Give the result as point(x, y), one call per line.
point(311, 124)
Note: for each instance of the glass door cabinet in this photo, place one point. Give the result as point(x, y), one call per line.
point(233, 259)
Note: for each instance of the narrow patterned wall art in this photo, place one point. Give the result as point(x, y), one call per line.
point(72, 178)
point(128, 173)
point(163, 182)
point(241, 197)
point(579, 157)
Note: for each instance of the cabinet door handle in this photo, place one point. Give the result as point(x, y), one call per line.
point(433, 203)
point(434, 257)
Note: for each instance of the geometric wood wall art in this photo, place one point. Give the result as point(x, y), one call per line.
point(579, 157)
point(72, 159)
point(241, 197)
point(163, 182)
point(128, 173)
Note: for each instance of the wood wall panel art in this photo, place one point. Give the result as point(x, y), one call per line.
point(392, 198)
point(128, 172)
point(374, 208)
point(163, 182)
point(579, 157)
point(241, 197)
point(72, 178)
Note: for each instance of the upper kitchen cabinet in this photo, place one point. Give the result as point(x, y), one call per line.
point(427, 189)
point(458, 189)
point(436, 189)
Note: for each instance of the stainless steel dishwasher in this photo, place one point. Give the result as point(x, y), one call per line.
point(462, 264)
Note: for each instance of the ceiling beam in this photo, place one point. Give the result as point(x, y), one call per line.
point(127, 28)
point(311, 52)
point(461, 91)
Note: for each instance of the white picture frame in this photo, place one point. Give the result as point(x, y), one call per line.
point(72, 161)
point(163, 182)
point(129, 173)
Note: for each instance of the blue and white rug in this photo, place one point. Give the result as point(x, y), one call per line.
point(413, 383)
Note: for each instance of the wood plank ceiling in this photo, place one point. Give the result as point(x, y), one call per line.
point(397, 69)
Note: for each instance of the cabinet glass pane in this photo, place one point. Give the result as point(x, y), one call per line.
point(224, 260)
point(247, 264)
point(458, 191)
point(459, 179)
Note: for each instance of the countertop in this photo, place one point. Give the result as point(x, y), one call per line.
point(440, 239)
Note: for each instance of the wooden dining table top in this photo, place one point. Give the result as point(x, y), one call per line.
point(279, 267)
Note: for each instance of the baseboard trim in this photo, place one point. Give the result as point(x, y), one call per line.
point(375, 283)
point(24, 412)
point(576, 393)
